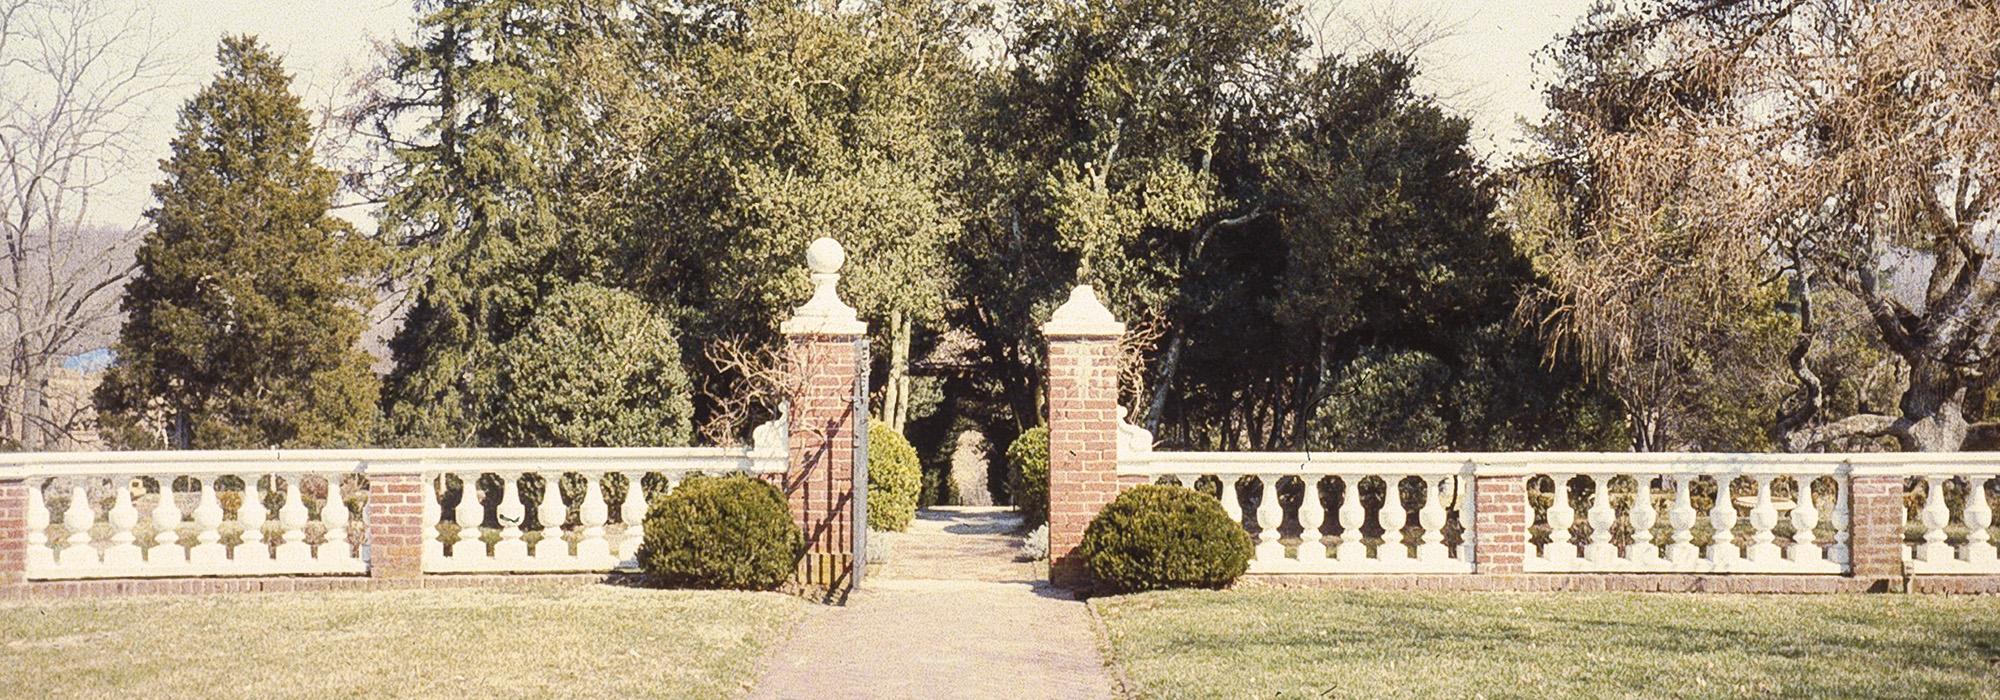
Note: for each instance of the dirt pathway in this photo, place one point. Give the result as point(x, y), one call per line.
point(951, 615)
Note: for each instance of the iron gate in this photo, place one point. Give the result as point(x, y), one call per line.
point(860, 484)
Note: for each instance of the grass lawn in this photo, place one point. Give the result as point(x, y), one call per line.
point(558, 641)
point(1272, 643)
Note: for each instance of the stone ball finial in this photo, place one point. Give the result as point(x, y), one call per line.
point(825, 256)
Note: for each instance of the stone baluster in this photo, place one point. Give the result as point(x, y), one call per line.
point(208, 547)
point(1232, 501)
point(433, 515)
point(78, 519)
point(166, 514)
point(469, 514)
point(593, 548)
point(251, 514)
point(1393, 518)
point(1764, 517)
point(1805, 523)
point(1562, 543)
point(1722, 517)
point(1642, 516)
point(1978, 548)
point(511, 512)
point(1601, 516)
point(335, 516)
point(1189, 480)
point(1680, 545)
point(1269, 515)
point(1934, 516)
point(551, 513)
point(292, 516)
point(1839, 552)
point(632, 513)
point(1312, 517)
point(39, 552)
point(1351, 550)
point(124, 516)
point(1432, 518)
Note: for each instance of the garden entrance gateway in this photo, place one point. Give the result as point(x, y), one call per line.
point(253, 519)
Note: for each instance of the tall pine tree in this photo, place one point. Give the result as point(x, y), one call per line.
point(245, 317)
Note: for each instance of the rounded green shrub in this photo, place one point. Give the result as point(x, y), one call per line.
point(1158, 537)
point(595, 367)
point(1028, 475)
point(894, 478)
point(730, 532)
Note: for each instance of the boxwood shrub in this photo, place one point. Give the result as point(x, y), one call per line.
point(894, 478)
point(721, 532)
point(1028, 475)
point(1159, 537)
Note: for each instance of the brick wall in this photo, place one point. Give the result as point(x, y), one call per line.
point(1083, 445)
point(396, 526)
point(820, 483)
point(1500, 524)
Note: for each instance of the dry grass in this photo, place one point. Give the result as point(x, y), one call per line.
point(556, 641)
point(1308, 644)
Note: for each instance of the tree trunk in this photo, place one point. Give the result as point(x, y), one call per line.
point(1933, 410)
point(896, 391)
point(1168, 365)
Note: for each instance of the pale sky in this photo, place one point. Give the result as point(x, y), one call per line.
point(1484, 67)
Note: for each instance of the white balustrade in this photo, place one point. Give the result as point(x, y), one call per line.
point(1606, 485)
point(551, 549)
point(208, 540)
point(1957, 530)
point(141, 498)
point(1444, 486)
point(591, 545)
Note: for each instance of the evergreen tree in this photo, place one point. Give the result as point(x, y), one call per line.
point(494, 189)
point(245, 317)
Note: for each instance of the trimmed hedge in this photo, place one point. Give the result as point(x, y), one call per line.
point(1028, 475)
point(731, 532)
point(1158, 537)
point(894, 478)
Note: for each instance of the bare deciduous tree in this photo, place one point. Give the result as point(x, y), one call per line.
point(78, 76)
point(1838, 146)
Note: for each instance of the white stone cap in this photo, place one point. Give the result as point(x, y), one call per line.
point(1082, 316)
point(824, 313)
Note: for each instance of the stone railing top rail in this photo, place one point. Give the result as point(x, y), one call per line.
point(397, 461)
point(1167, 463)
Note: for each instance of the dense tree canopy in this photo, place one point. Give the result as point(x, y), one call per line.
point(1307, 249)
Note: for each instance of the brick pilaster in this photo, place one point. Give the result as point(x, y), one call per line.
point(13, 532)
point(1500, 524)
point(824, 351)
point(819, 483)
point(1876, 509)
point(396, 526)
point(1083, 426)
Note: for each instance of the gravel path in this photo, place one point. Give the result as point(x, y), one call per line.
point(952, 615)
